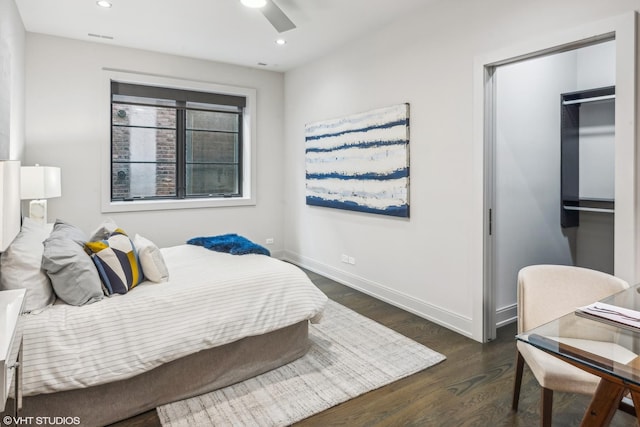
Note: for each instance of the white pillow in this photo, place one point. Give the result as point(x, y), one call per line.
point(104, 230)
point(21, 266)
point(151, 260)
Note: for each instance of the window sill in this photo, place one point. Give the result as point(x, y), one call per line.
point(158, 205)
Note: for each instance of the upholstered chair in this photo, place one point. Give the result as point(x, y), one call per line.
point(546, 292)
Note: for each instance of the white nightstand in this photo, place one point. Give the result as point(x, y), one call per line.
point(11, 306)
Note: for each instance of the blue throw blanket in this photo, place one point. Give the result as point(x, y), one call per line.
point(230, 243)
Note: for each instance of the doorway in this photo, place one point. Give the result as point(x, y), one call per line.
point(533, 127)
point(626, 240)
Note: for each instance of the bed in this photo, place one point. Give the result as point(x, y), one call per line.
point(215, 320)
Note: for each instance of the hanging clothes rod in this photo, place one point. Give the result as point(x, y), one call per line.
point(580, 208)
point(592, 99)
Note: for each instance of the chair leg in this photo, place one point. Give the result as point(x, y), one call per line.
point(626, 405)
point(517, 383)
point(546, 406)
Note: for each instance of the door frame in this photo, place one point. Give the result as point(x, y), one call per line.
point(627, 224)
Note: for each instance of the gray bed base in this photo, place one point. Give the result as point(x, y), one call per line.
point(189, 376)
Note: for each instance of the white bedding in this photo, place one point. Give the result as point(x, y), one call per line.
point(210, 299)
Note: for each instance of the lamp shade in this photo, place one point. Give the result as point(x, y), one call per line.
point(9, 202)
point(39, 182)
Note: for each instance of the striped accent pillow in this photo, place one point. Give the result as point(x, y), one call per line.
point(117, 262)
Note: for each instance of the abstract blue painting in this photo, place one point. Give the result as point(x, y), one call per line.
point(360, 162)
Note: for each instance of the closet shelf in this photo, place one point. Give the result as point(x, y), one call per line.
point(592, 99)
point(585, 209)
point(590, 205)
point(578, 132)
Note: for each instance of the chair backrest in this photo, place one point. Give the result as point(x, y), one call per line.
point(546, 292)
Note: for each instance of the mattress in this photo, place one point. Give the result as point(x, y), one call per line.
point(211, 299)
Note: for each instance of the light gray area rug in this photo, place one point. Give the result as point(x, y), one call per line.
point(350, 355)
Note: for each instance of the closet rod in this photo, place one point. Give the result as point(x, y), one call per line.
point(592, 99)
point(579, 208)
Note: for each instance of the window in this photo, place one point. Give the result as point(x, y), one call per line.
point(174, 144)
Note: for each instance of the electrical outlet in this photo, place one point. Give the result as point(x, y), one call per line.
point(344, 258)
point(352, 260)
point(269, 241)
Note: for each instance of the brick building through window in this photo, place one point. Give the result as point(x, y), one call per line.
point(175, 144)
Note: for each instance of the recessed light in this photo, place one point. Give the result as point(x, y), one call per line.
point(254, 3)
point(104, 3)
point(281, 42)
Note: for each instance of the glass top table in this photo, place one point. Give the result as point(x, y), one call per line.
point(602, 347)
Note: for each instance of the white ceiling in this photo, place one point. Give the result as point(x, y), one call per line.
point(220, 30)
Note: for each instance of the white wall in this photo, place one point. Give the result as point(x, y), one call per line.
point(595, 235)
point(12, 46)
point(527, 151)
point(427, 263)
point(64, 110)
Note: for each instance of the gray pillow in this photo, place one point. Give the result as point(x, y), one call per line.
point(73, 274)
point(21, 266)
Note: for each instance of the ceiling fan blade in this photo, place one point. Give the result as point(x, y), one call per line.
point(277, 18)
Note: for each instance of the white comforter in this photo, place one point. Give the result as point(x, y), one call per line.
point(211, 299)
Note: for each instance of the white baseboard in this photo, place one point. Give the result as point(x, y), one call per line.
point(449, 320)
point(279, 254)
point(506, 315)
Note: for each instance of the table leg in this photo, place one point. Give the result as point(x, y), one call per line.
point(18, 382)
point(17, 379)
point(604, 404)
point(635, 395)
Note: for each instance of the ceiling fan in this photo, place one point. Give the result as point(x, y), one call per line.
point(273, 13)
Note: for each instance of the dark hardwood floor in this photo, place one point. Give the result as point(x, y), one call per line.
point(473, 387)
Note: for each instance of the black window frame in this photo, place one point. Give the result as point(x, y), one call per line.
point(224, 102)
